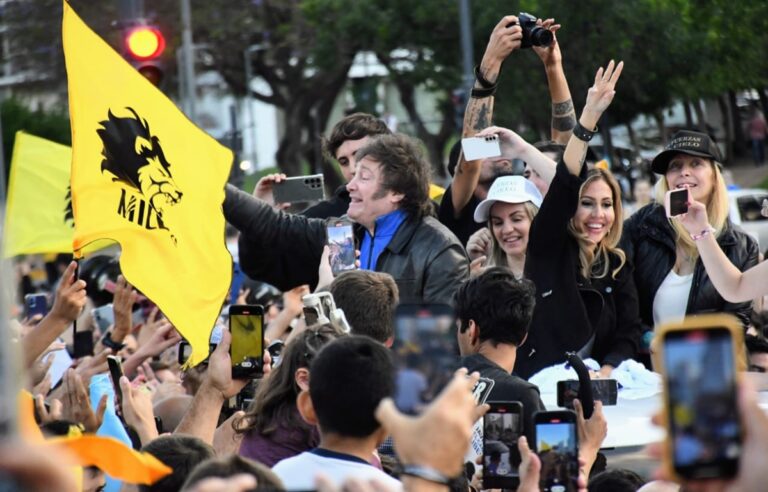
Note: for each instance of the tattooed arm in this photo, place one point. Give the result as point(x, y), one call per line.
point(505, 39)
point(563, 114)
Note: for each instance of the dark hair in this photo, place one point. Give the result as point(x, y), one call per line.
point(551, 146)
point(404, 170)
point(499, 304)
point(181, 453)
point(233, 465)
point(350, 377)
point(368, 300)
point(617, 480)
point(760, 321)
point(274, 403)
point(756, 345)
point(353, 127)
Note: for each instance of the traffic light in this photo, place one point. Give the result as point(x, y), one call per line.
point(143, 46)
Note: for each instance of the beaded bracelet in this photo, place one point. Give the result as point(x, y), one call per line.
point(703, 233)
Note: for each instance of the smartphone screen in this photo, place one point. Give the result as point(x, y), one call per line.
point(341, 243)
point(502, 426)
point(703, 418)
point(558, 450)
point(116, 372)
point(104, 317)
point(35, 304)
point(246, 324)
point(604, 390)
point(185, 351)
point(426, 354)
point(82, 344)
point(678, 202)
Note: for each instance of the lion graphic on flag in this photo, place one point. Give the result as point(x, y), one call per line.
point(134, 157)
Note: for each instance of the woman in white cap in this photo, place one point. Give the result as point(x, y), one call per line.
point(671, 279)
point(509, 209)
point(586, 301)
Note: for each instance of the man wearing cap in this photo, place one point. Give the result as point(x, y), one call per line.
point(509, 209)
point(671, 282)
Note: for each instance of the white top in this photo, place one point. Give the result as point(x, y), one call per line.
point(672, 298)
point(298, 472)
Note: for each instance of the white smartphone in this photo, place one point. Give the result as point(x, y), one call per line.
point(480, 147)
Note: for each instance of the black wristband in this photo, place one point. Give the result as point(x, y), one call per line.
point(107, 341)
point(425, 473)
point(582, 133)
point(479, 93)
point(482, 80)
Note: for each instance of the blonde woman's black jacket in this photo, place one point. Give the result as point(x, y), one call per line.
point(649, 240)
point(570, 309)
point(425, 259)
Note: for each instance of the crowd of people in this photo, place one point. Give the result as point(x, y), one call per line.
point(534, 263)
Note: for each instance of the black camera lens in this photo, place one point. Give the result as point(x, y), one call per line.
point(541, 37)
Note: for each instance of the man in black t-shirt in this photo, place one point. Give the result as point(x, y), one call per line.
point(494, 310)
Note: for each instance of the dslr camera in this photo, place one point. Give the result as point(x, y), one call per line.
point(533, 35)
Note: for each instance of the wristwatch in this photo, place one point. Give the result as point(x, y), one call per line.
point(107, 341)
point(582, 133)
point(425, 473)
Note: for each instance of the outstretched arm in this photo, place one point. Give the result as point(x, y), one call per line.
point(599, 98)
point(513, 146)
point(505, 39)
point(563, 114)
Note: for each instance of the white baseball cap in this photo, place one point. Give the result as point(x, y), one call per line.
point(508, 189)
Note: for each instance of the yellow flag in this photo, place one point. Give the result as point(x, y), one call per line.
point(36, 213)
point(145, 176)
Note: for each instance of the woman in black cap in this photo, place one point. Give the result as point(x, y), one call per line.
point(670, 277)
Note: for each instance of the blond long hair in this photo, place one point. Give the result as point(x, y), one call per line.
point(717, 211)
point(498, 256)
point(595, 261)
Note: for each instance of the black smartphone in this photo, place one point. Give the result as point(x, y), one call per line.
point(502, 425)
point(704, 428)
point(604, 390)
point(35, 304)
point(82, 344)
point(677, 202)
point(299, 189)
point(557, 444)
point(115, 373)
point(185, 350)
point(246, 324)
point(426, 354)
point(341, 243)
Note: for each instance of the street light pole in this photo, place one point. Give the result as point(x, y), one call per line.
point(249, 98)
point(467, 54)
point(188, 58)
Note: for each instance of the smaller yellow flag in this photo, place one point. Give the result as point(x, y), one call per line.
point(38, 215)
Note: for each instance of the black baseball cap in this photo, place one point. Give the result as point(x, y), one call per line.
point(686, 142)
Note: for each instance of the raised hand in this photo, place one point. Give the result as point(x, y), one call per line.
point(512, 145)
point(601, 93)
point(77, 403)
point(550, 55)
point(70, 297)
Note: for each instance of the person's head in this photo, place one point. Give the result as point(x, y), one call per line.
point(692, 160)
point(182, 454)
point(642, 191)
point(491, 169)
point(368, 300)
point(232, 465)
point(350, 134)
point(597, 223)
point(509, 209)
point(392, 174)
point(757, 350)
point(618, 480)
point(350, 377)
point(274, 402)
point(493, 307)
point(171, 410)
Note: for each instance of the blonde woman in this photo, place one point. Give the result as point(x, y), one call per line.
point(585, 297)
point(670, 277)
point(511, 205)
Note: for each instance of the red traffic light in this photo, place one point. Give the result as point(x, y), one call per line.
point(144, 43)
